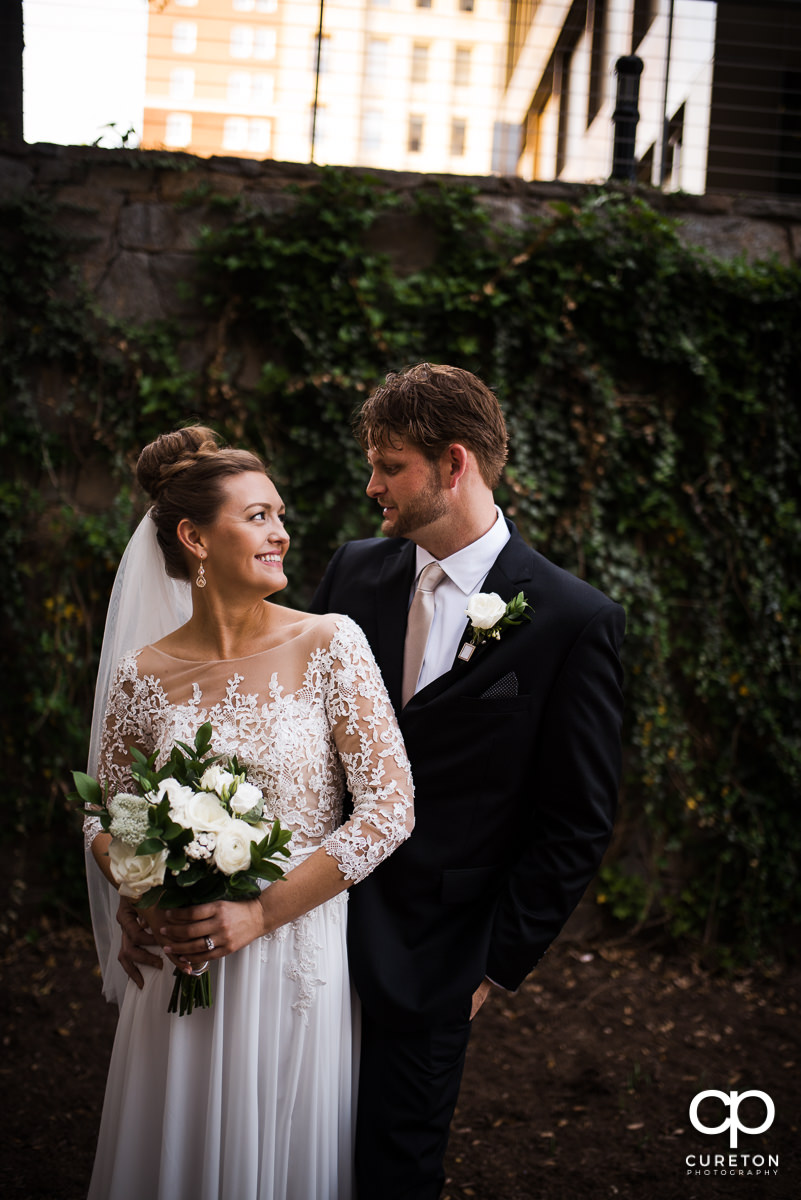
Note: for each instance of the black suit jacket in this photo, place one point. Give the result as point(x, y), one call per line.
point(516, 763)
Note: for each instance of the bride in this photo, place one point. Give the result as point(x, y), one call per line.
point(251, 1099)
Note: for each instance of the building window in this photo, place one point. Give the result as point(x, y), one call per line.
point(461, 66)
point(415, 140)
point(376, 64)
point(239, 83)
point(643, 17)
point(325, 54)
point(262, 6)
point(423, 3)
point(247, 133)
point(184, 37)
point(458, 136)
point(419, 62)
point(265, 43)
point(241, 44)
point(506, 146)
point(598, 72)
point(182, 83)
point(235, 133)
point(259, 135)
point(465, 5)
point(645, 167)
point(372, 121)
point(672, 154)
point(263, 89)
point(179, 129)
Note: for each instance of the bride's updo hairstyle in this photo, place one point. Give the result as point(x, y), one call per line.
point(183, 473)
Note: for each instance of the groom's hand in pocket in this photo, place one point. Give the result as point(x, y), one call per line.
point(479, 996)
point(136, 935)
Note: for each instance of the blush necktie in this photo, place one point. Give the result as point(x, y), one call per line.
point(421, 614)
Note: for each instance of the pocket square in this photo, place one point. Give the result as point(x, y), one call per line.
point(502, 689)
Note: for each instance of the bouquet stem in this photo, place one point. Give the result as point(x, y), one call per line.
point(190, 992)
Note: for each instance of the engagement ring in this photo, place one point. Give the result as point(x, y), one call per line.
point(209, 942)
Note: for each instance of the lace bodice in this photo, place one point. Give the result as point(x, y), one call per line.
point(306, 719)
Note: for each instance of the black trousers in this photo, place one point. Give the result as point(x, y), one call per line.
point(408, 1085)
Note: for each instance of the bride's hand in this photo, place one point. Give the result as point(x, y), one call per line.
point(136, 934)
point(197, 935)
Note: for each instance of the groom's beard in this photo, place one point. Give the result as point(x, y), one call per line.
point(427, 506)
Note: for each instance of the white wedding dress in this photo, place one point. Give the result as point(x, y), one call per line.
point(253, 1099)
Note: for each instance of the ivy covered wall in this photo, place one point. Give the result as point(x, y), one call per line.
point(652, 392)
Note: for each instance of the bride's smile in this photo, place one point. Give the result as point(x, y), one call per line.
point(243, 550)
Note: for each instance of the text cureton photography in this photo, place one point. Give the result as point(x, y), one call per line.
point(735, 1162)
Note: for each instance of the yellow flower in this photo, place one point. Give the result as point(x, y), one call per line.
point(692, 803)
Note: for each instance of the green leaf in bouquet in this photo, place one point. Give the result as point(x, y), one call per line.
point(241, 887)
point(180, 894)
point(87, 788)
point(160, 813)
point(188, 750)
point(195, 873)
point(252, 816)
point(267, 870)
point(176, 861)
point(203, 739)
point(151, 845)
point(277, 840)
point(179, 765)
point(151, 898)
point(175, 834)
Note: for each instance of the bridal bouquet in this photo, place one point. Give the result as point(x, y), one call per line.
point(196, 832)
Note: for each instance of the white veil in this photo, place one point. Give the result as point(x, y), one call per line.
point(145, 605)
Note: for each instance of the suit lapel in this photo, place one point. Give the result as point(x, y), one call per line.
point(392, 607)
point(507, 576)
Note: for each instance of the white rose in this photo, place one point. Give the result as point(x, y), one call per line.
point(485, 609)
point(232, 852)
point(136, 873)
point(179, 797)
point(246, 797)
point(205, 814)
point(215, 778)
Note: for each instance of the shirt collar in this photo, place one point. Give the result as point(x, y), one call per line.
point(469, 567)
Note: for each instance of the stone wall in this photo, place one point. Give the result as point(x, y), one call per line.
point(134, 245)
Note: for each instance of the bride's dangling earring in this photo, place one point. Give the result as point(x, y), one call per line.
point(201, 576)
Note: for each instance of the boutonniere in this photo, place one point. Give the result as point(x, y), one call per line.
point(489, 615)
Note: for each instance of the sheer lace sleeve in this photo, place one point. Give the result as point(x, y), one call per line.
point(123, 727)
point(372, 752)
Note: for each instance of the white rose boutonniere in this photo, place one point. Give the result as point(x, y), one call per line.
point(490, 615)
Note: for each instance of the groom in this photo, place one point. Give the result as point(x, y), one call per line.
point(515, 752)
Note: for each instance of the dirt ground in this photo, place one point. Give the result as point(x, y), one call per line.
point(578, 1086)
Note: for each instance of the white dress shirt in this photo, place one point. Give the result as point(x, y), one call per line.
point(466, 571)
